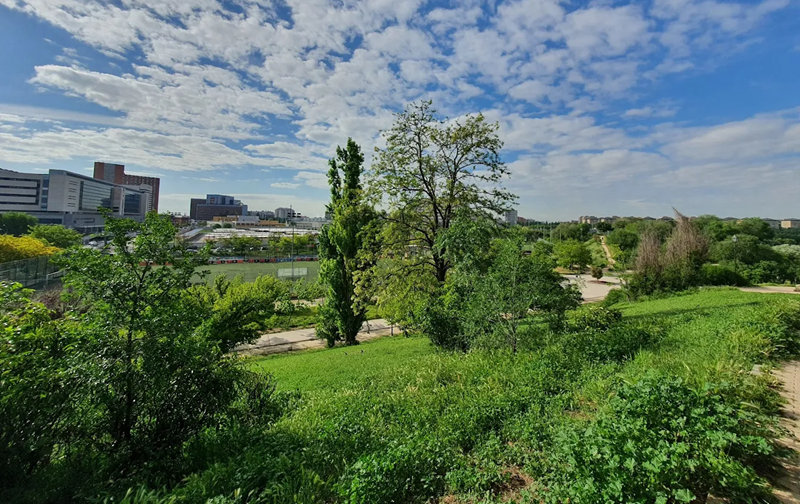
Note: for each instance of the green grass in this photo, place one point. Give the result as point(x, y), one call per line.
point(251, 271)
point(337, 368)
point(402, 422)
point(598, 254)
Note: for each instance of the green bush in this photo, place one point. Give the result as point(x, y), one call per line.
point(721, 275)
point(594, 317)
point(662, 441)
point(615, 296)
point(615, 343)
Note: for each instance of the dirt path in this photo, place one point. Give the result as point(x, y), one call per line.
point(788, 486)
point(611, 261)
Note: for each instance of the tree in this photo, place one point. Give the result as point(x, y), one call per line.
point(755, 227)
point(16, 223)
point(430, 170)
point(25, 247)
point(573, 254)
point(624, 238)
point(56, 235)
point(240, 245)
point(604, 227)
point(597, 272)
point(343, 248)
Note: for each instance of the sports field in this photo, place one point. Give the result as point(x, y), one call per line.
point(251, 271)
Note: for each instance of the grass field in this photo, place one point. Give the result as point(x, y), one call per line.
point(251, 271)
point(395, 420)
point(316, 370)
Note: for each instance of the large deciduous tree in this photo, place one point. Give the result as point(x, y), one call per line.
point(16, 223)
point(429, 171)
point(345, 248)
point(56, 235)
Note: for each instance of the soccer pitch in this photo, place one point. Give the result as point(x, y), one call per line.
point(251, 271)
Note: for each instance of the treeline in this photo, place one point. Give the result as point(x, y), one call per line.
point(302, 244)
point(726, 252)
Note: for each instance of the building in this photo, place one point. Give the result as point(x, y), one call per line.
point(510, 217)
point(239, 221)
point(773, 223)
point(263, 214)
point(69, 199)
point(215, 205)
point(115, 174)
point(282, 213)
point(588, 219)
point(790, 224)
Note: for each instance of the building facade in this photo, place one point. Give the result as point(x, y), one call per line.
point(70, 199)
point(511, 217)
point(115, 174)
point(286, 213)
point(215, 205)
point(790, 224)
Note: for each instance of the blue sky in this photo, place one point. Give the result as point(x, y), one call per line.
point(605, 107)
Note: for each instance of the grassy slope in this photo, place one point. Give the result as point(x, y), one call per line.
point(598, 254)
point(340, 367)
point(403, 420)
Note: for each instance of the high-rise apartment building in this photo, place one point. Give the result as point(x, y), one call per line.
point(115, 174)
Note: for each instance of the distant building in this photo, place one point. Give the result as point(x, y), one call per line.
point(773, 223)
point(263, 214)
point(588, 219)
point(215, 205)
point(511, 217)
point(70, 199)
point(286, 213)
point(115, 174)
point(790, 223)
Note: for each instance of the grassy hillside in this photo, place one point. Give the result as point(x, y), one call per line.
point(659, 406)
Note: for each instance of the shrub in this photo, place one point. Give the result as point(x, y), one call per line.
point(25, 247)
point(597, 272)
point(662, 441)
point(617, 343)
point(615, 296)
point(596, 317)
point(721, 275)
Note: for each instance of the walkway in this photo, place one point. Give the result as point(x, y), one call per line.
point(788, 486)
point(611, 261)
point(302, 339)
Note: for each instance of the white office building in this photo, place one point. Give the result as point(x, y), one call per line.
point(70, 199)
point(286, 213)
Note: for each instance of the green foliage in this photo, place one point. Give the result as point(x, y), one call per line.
point(597, 272)
point(572, 231)
point(56, 235)
point(428, 172)
point(487, 298)
point(593, 317)
point(572, 254)
point(112, 391)
point(604, 227)
point(615, 296)
point(240, 245)
point(443, 423)
point(722, 275)
point(661, 440)
point(348, 249)
point(625, 239)
point(16, 223)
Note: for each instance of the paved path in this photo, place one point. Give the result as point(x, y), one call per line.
point(788, 486)
point(771, 289)
point(301, 339)
point(593, 290)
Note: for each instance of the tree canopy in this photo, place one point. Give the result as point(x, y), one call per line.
point(56, 235)
point(428, 171)
point(16, 223)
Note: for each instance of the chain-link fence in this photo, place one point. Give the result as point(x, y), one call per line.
point(36, 273)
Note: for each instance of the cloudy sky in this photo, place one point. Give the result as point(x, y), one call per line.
point(604, 107)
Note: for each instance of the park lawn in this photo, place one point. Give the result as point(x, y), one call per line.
point(331, 369)
point(251, 271)
point(395, 420)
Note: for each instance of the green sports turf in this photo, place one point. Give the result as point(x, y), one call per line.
point(251, 271)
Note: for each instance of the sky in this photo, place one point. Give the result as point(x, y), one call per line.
point(605, 108)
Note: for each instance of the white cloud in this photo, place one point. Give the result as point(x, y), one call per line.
point(284, 185)
point(650, 112)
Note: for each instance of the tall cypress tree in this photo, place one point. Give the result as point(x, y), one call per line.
point(343, 248)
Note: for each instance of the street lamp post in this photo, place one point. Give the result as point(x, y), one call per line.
point(735, 240)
